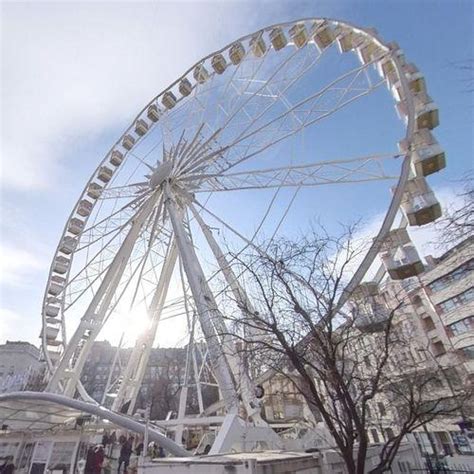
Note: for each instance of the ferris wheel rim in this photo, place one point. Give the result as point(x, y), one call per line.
point(394, 204)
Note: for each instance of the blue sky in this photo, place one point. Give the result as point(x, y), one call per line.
point(75, 74)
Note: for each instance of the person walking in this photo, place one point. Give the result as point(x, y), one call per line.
point(125, 452)
point(98, 459)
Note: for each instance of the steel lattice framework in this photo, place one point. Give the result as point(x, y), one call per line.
point(244, 119)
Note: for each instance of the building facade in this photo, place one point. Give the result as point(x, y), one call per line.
point(444, 303)
point(20, 367)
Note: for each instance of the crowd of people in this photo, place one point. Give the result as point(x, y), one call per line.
point(100, 457)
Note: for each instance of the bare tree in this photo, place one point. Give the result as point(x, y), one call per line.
point(457, 224)
point(338, 358)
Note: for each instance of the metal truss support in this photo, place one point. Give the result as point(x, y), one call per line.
point(66, 375)
point(206, 307)
point(252, 405)
point(136, 366)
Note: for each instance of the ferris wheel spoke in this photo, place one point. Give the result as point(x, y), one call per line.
point(310, 110)
point(92, 320)
point(355, 170)
point(126, 191)
point(231, 114)
point(96, 258)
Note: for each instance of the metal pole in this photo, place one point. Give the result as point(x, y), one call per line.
point(206, 306)
point(111, 372)
point(70, 366)
point(252, 405)
point(135, 370)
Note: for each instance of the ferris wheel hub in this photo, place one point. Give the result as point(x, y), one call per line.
point(161, 173)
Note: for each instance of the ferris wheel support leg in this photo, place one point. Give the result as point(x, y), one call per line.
point(70, 366)
point(197, 381)
point(183, 395)
point(206, 307)
point(252, 405)
point(136, 367)
point(112, 369)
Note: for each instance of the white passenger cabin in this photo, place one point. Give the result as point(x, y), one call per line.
point(419, 203)
point(278, 38)
point(219, 63)
point(399, 256)
point(236, 53)
point(299, 34)
point(428, 156)
point(258, 46)
point(323, 35)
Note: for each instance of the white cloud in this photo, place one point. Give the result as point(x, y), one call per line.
point(17, 264)
point(70, 71)
point(10, 322)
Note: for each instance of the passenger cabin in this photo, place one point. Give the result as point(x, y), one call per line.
point(105, 174)
point(94, 190)
point(128, 142)
point(236, 53)
point(200, 74)
point(324, 35)
point(61, 265)
point(399, 256)
point(386, 69)
point(397, 52)
point(258, 46)
point(51, 332)
point(168, 100)
point(76, 226)
point(369, 313)
point(51, 311)
point(185, 87)
point(278, 38)
point(219, 64)
point(428, 156)
point(141, 127)
point(56, 285)
point(344, 38)
point(368, 51)
point(84, 208)
point(153, 113)
point(116, 158)
point(299, 34)
point(428, 160)
point(68, 245)
point(415, 80)
point(419, 203)
point(426, 111)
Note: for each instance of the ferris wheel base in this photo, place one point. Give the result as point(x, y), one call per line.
point(235, 434)
point(46, 410)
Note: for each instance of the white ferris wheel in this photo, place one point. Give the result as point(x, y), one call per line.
point(252, 141)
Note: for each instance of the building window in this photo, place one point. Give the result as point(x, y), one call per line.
point(438, 349)
point(460, 327)
point(468, 352)
point(417, 301)
point(428, 324)
point(455, 275)
point(457, 301)
point(381, 409)
point(375, 435)
point(389, 432)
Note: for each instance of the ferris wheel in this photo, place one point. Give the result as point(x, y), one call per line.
point(252, 141)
